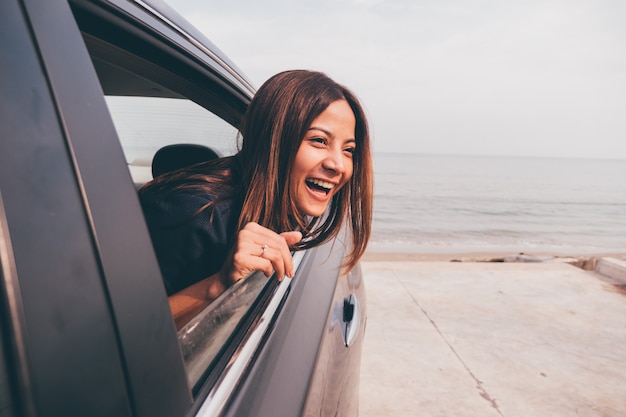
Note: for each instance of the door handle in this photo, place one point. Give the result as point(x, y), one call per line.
point(351, 319)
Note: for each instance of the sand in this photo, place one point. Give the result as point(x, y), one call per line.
point(478, 338)
point(585, 261)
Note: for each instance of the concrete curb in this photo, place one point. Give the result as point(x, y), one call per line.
point(613, 268)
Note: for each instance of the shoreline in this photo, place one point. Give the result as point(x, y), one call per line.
point(585, 261)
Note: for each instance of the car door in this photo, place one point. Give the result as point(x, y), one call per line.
point(67, 208)
point(86, 324)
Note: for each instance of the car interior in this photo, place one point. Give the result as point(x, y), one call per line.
point(180, 155)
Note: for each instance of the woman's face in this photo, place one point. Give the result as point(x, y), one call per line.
point(323, 163)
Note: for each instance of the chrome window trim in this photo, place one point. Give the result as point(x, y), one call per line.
point(224, 387)
point(205, 335)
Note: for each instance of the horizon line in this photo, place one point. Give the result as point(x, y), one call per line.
point(412, 153)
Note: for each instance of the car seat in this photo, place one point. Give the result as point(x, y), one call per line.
point(172, 157)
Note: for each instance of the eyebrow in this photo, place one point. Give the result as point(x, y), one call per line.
point(320, 129)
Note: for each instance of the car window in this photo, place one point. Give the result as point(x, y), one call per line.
point(146, 124)
point(158, 97)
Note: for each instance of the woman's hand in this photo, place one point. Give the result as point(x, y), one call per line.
point(257, 248)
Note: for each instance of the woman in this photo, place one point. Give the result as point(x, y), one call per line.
point(304, 169)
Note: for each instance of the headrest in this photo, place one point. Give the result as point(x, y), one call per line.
point(172, 157)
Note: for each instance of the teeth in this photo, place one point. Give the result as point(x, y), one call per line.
point(324, 184)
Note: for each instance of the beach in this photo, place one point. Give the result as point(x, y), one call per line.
point(470, 334)
point(496, 286)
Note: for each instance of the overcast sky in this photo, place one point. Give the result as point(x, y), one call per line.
point(484, 77)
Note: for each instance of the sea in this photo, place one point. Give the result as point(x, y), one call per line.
point(473, 204)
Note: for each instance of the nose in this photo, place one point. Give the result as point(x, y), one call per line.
point(334, 161)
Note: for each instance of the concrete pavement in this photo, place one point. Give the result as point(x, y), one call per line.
point(492, 339)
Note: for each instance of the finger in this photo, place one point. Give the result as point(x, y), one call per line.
point(280, 255)
point(292, 237)
point(244, 258)
point(277, 260)
point(248, 253)
point(245, 263)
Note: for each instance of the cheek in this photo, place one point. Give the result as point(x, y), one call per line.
point(296, 178)
point(349, 169)
point(296, 173)
point(299, 162)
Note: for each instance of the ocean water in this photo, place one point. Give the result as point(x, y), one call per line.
point(453, 204)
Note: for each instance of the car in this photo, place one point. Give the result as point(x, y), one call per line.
point(91, 90)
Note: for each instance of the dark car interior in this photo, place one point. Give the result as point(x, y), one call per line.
point(180, 155)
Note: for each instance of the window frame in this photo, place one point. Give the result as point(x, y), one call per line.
point(60, 132)
point(222, 374)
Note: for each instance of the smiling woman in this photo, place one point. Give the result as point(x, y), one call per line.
point(303, 172)
point(323, 163)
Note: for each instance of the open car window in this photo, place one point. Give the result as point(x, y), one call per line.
point(159, 97)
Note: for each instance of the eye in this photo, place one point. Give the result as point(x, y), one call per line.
point(318, 140)
point(350, 149)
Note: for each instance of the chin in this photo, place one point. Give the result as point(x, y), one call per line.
point(313, 211)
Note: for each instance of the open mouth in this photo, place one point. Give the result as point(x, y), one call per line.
point(320, 186)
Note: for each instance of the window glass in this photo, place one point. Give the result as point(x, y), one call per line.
point(146, 124)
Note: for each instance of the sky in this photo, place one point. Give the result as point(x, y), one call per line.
point(478, 77)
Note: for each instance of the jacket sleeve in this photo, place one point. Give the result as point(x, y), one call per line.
point(190, 244)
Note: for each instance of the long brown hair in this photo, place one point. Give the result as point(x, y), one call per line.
point(258, 175)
